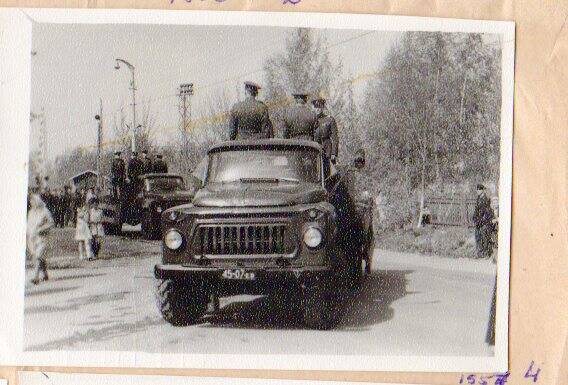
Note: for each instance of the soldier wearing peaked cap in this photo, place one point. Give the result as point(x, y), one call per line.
point(300, 121)
point(249, 118)
point(326, 130)
point(135, 169)
point(118, 174)
point(147, 164)
point(160, 165)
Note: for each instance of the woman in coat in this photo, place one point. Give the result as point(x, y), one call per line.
point(40, 222)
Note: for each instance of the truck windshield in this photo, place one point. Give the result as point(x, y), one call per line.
point(270, 165)
point(164, 184)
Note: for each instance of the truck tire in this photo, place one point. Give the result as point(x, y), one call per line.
point(148, 231)
point(320, 306)
point(179, 302)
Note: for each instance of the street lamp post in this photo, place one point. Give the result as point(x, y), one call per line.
point(133, 88)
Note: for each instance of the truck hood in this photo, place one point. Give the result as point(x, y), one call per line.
point(258, 194)
point(180, 195)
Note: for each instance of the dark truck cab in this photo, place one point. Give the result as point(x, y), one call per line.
point(272, 217)
point(159, 192)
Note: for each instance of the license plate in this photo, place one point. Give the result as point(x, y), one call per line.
point(239, 274)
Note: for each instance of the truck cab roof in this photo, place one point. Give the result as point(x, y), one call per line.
point(264, 144)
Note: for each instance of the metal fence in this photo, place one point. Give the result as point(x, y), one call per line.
point(450, 211)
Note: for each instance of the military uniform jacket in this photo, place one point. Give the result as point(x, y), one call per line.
point(300, 122)
point(147, 166)
point(326, 135)
point(250, 120)
point(160, 166)
point(483, 214)
point(118, 170)
point(135, 169)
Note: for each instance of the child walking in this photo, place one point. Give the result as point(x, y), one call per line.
point(95, 226)
point(83, 233)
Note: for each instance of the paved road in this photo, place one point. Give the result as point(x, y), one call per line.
point(410, 305)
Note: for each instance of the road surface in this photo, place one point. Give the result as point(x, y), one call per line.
point(410, 305)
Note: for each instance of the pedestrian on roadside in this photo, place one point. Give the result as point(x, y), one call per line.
point(40, 222)
point(483, 220)
point(82, 232)
point(96, 228)
point(58, 208)
point(66, 203)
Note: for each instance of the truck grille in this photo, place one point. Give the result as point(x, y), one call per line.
point(242, 239)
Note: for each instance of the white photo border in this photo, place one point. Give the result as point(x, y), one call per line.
point(15, 48)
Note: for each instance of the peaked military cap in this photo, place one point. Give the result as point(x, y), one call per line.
point(300, 95)
point(253, 85)
point(134, 153)
point(159, 156)
point(480, 187)
point(318, 102)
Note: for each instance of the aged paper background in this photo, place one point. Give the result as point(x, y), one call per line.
point(539, 261)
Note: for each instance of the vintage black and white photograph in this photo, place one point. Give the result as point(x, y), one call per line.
point(271, 189)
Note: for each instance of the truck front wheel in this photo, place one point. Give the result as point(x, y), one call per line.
point(180, 303)
point(148, 229)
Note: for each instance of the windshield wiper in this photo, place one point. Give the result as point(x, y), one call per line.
point(268, 180)
point(259, 180)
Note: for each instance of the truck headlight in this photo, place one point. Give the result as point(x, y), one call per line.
point(313, 237)
point(159, 209)
point(173, 239)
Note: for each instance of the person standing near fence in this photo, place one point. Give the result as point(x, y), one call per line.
point(483, 220)
point(40, 222)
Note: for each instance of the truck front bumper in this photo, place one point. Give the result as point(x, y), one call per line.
point(213, 276)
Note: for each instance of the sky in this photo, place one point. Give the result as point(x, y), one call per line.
point(73, 70)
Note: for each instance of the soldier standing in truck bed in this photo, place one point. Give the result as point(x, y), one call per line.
point(326, 130)
point(118, 174)
point(300, 121)
point(135, 169)
point(249, 118)
point(147, 166)
point(160, 165)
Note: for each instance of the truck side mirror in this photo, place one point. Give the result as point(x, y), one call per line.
point(359, 160)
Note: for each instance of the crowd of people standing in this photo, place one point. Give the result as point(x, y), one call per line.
point(49, 208)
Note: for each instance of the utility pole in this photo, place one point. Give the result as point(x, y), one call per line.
point(184, 94)
point(42, 144)
point(133, 88)
point(99, 118)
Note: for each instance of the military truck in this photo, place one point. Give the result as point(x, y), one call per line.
point(272, 217)
point(143, 203)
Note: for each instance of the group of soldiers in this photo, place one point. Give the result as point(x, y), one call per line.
point(250, 120)
point(122, 174)
point(61, 202)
